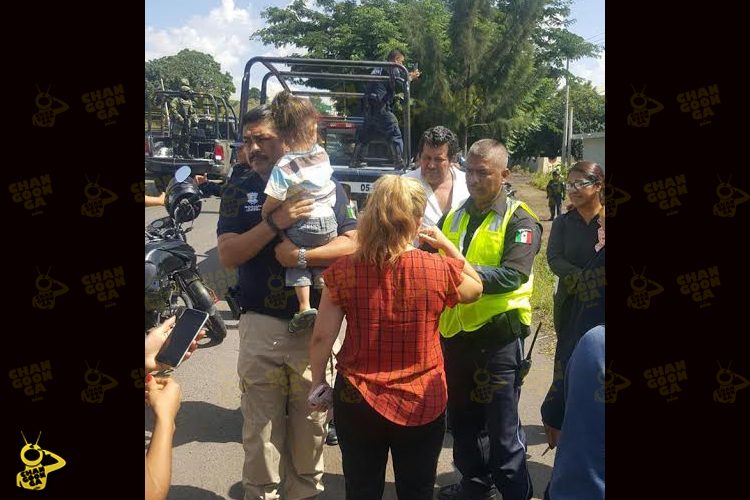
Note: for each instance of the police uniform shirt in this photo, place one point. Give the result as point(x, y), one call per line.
point(261, 279)
point(517, 259)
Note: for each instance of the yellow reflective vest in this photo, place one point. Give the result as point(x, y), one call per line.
point(485, 249)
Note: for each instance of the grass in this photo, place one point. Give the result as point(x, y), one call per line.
point(540, 180)
point(544, 286)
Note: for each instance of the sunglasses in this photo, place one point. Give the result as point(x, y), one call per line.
point(579, 184)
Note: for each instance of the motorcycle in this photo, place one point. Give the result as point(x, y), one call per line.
point(173, 281)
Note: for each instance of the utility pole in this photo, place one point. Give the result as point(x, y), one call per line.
point(569, 151)
point(565, 122)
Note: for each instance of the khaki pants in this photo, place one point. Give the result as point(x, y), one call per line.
point(282, 438)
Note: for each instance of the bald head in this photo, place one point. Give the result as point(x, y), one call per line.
point(486, 170)
point(492, 151)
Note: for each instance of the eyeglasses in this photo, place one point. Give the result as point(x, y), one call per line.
point(579, 184)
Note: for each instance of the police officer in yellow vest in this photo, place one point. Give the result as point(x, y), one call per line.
point(483, 341)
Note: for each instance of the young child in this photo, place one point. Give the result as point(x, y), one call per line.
point(305, 169)
point(555, 195)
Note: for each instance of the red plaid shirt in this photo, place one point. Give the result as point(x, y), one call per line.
point(391, 352)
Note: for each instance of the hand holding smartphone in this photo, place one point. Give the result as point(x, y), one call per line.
point(185, 330)
point(321, 396)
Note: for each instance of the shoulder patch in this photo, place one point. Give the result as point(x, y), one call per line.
point(524, 236)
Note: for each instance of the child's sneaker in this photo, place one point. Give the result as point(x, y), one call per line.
point(303, 320)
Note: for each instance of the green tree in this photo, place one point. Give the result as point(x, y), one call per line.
point(201, 70)
point(488, 66)
point(545, 137)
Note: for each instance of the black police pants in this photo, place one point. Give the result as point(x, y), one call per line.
point(489, 444)
point(365, 437)
point(384, 124)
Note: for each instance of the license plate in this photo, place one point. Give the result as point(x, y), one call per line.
point(359, 187)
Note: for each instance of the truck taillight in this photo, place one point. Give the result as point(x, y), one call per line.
point(341, 125)
point(148, 151)
point(219, 152)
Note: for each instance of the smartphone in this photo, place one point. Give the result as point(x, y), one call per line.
point(186, 328)
point(323, 394)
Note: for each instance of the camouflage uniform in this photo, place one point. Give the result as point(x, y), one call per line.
point(182, 110)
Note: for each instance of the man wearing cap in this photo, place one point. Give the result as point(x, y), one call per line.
point(555, 195)
point(182, 109)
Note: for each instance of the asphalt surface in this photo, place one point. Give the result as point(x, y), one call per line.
point(208, 455)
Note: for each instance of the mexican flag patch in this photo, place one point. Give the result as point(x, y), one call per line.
point(524, 236)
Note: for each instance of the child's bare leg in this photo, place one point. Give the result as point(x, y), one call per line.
point(303, 296)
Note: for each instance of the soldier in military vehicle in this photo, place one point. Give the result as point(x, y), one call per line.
point(182, 110)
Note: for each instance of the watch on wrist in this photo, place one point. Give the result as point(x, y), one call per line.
point(301, 258)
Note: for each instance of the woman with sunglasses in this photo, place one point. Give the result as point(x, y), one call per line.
point(574, 235)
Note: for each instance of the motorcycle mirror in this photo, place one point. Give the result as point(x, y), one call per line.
point(182, 173)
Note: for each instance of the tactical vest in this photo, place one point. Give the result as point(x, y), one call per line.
point(485, 249)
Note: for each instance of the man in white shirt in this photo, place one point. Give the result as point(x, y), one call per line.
point(445, 184)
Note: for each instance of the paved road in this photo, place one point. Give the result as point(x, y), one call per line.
point(208, 457)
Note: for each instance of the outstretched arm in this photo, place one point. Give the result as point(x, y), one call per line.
point(63, 106)
point(745, 382)
point(111, 196)
point(57, 465)
point(659, 106)
point(112, 383)
point(324, 335)
point(743, 198)
point(655, 291)
point(63, 288)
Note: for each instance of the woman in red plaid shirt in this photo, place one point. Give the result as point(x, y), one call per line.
point(390, 392)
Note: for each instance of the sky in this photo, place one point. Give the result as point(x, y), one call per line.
point(222, 28)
